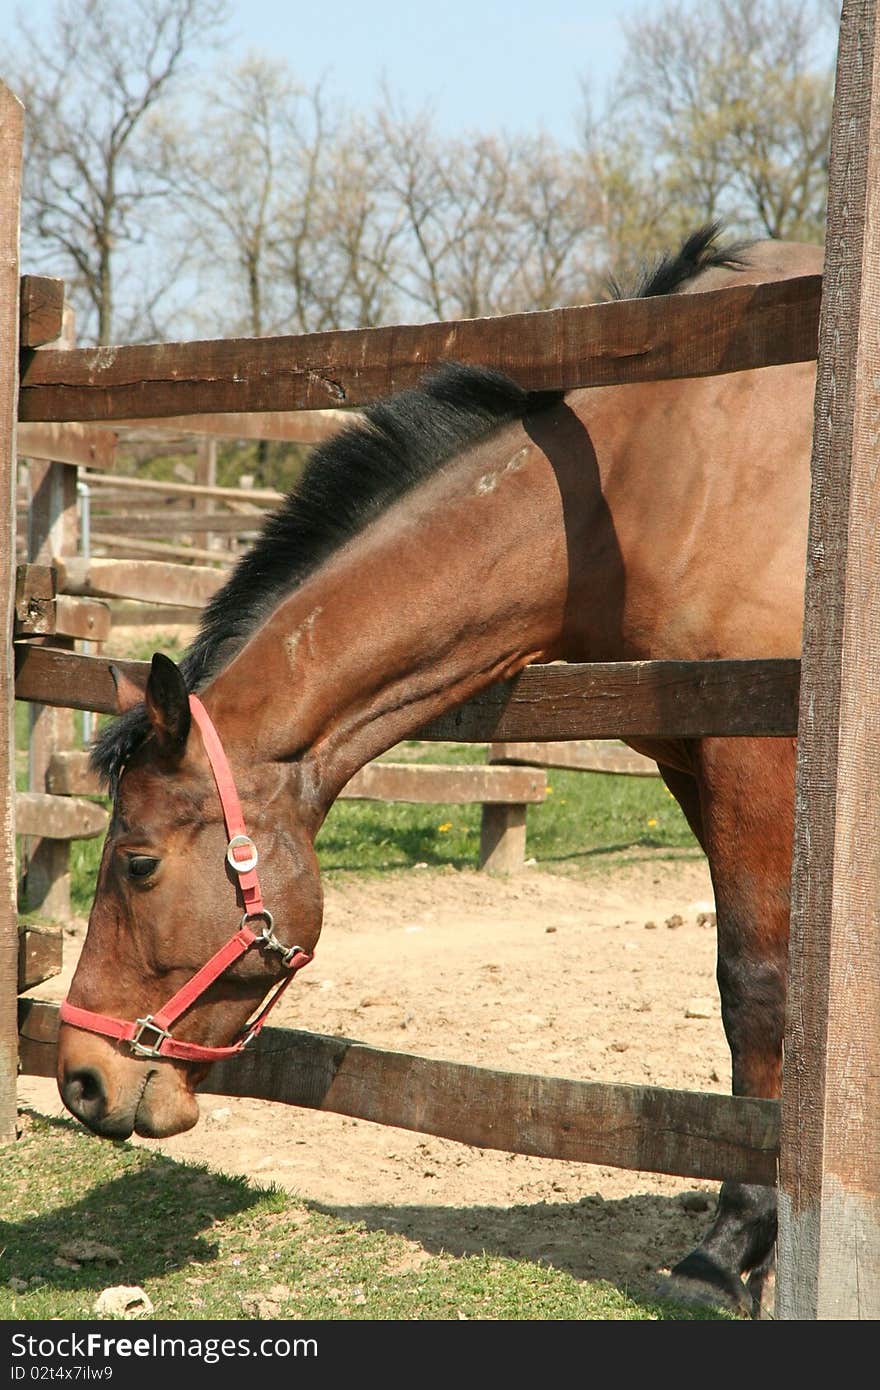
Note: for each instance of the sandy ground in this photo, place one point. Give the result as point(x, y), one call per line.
point(609, 977)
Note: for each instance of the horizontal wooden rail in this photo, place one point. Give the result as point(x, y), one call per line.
point(291, 426)
point(82, 445)
point(146, 581)
point(619, 699)
point(41, 612)
point(130, 525)
point(40, 953)
point(583, 755)
point(58, 817)
point(458, 786)
point(588, 345)
point(646, 1128)
point(256, 495)
point(69, 774)
point(648, 699)
point(176, 554)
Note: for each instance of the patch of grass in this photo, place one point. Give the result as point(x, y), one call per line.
point(587, 819)
point(209, 1246)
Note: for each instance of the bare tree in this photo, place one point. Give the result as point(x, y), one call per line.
point(231, 170)
point(487, 223)
point(731, 103)
point(89, 195)
point(336, 248)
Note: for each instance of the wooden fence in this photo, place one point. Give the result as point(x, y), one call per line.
point(829, 1129)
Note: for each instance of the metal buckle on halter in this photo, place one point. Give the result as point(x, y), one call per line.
point(241, 866)
point(148, 1049)
point(267, 936)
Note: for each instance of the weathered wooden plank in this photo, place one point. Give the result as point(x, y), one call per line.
point(657, 699)
point(69, 679)
point(83, 445)
point(58, 817)
point(647, 1128)
point(830, 1164)
point(133, 545)
point(129, 525)
point(426, 782)
point(69, 774)
point(40, 954)
point(39, 612)
point(35, 590)
point(11, 137)
point(148, 581)
point(42, 310)
point(582, 755)
point(291, 426)
point(250, 496)
point(587, 345)
point(681, 699)
point(127, 614)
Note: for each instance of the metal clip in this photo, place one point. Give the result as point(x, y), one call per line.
point(268, 938)
point(148, 1049)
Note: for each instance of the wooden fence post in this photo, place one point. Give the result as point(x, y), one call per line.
point(829, 1242)
point(52, 532)
point(11, 137)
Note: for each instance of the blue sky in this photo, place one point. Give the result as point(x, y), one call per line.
point(480, 64)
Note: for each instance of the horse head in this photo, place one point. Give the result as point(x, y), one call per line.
point(144, 1018)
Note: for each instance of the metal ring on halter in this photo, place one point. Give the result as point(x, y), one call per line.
point(241, 866)
point(268, 938)
point(267, 918)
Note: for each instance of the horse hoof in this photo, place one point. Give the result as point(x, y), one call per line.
point(713, 1288)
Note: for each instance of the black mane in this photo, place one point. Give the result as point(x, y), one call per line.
point(700, 251)
point(347, 482)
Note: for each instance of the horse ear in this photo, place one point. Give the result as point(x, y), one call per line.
point(128, 692)
point(167, 705)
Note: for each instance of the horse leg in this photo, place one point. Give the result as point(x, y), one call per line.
point(747, 806)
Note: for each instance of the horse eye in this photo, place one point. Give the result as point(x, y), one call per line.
point(141, 865)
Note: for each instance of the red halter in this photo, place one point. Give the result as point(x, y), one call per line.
point(150, 1036)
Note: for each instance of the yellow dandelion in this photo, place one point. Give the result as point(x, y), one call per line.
point(652, 821)
point(447, 825)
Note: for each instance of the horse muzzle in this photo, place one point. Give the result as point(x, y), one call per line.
point(116, 1095)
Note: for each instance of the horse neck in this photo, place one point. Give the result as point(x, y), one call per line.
point(457, 586)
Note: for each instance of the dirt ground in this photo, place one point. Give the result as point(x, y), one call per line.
point(609, 978)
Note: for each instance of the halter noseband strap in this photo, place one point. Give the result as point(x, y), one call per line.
point(150, 1036)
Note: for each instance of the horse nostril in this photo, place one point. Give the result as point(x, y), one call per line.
point(83, 1093)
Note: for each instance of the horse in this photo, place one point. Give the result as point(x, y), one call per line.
point(456, 533)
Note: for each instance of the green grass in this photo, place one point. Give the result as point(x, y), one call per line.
point(210, 1246)
point(589, 819)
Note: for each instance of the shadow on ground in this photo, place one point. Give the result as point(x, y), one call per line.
point(626, 1242)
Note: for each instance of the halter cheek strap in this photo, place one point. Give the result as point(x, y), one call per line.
point(150, 1036)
